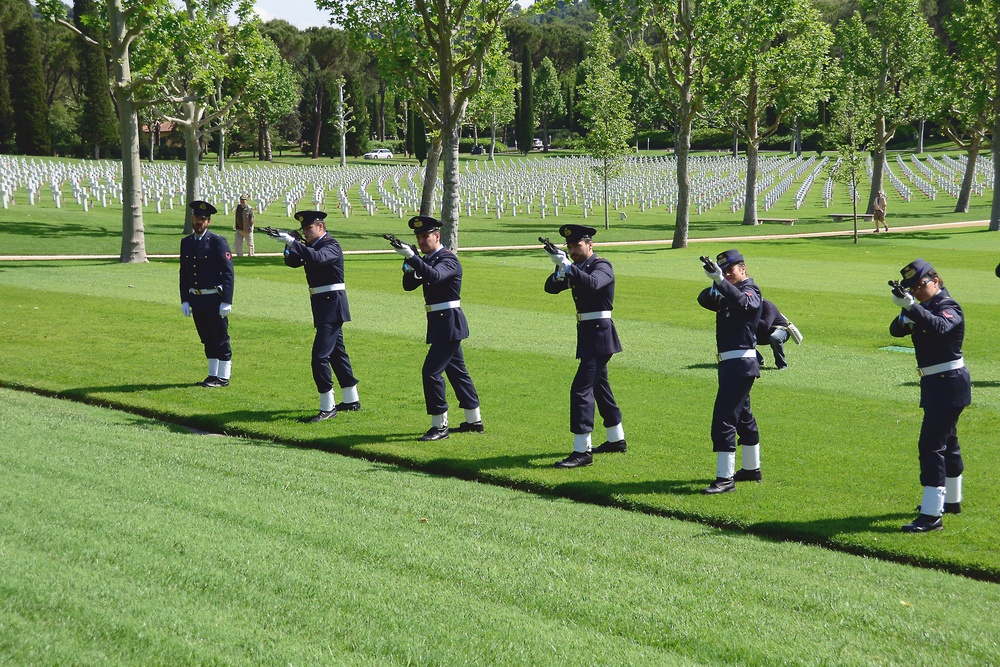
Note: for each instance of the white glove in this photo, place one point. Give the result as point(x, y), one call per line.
point(565, 262)
point(557, 256)
point(406, 251)
point(715, 276)
point(286, 237)
point(905, 302)
point(225, 309)
point(186, 309)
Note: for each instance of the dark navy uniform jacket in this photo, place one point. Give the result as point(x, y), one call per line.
point(205, 264)
point(770, 317)
point(593, 285)
point(440, 274)
point(737, 313)
point(324, 262)
point(938, 330)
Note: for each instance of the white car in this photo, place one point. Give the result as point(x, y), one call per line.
point(537, 145)
point(379, 154)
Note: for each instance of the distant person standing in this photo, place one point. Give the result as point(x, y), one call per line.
point(206, 284)
point(323, 260)
point(775, 329)
point(244, 226)
point(736, 301)
point(879, 212)
point(439, 273)
point(591, 280)
point(935, 324)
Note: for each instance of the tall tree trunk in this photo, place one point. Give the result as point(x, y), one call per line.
point(192, 150)
point(317, 117)
point(133, 232)
point(222, 148)
point(920, 136)
point(753, 146)
point(451, 203)
point(341, 123)
point(971, 154)
point(430, 177)
point(381, 110)
point(268, 146)
point(133, 247)
point(682, 148)
point(878, 166)
point(995, 149)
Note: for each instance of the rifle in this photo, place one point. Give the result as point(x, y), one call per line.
point(276, 233)
point(396, 243)
point(897, 289)
point(709, 265)
point(549, 246)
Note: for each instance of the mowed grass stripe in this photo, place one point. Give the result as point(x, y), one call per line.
point(839, 428)
point(129, 542)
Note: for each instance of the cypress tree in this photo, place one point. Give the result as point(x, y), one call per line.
point(27, 87)
point(408, 140)
point(6, 110)
point(526, 128)
point(357, 138)
point(99, 123)
point(419, 138)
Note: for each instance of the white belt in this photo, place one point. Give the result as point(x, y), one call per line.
point(447, 305)
point(941, 368)
point(199, 292)
point(737, 354)
point(336, 287)
point(596, 315)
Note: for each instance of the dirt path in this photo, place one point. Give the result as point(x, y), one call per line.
point(666, 242)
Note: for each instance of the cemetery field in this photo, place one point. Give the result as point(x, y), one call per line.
point(839, 428)
point(128, 541)
point(520, 185)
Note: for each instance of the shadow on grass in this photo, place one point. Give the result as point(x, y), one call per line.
point(500, 471)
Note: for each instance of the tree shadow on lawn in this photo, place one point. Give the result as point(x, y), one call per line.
point(40, 230)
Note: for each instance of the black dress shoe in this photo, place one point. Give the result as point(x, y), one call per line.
point(949, 508)
point(469, 427)
point(349, 407)
point(576, 460)
point(213, 381)
point(322, 415)
point(924, 523)
point(435, 433)
point(611, 447)
point(720, 485)
point(744, 475)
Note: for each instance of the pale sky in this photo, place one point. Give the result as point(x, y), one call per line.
point(300, 13)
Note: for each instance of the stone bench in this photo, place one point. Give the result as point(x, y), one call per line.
point(840, 217)
point(784, 221)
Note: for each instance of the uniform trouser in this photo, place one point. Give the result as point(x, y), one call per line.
point(214, 332)
point(447, 358)
point(240, 235)
point(940, 455)
point(591, 386)
point(732, 415)
point(329, 353)
point(778, 338)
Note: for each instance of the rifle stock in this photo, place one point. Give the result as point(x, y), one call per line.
point(549, 246)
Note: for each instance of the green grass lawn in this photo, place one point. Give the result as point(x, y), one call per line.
point(838, 429)
point(44, 230)
point(128, 541)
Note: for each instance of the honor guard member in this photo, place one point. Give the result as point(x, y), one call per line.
point(207, 291)
point(323, 260)
point(934, 321)
point(440, 275)
point(736, 301)
point(776, 329)
point(592, 282)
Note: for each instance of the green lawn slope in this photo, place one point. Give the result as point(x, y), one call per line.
point(839, 428)
point(129, 542)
